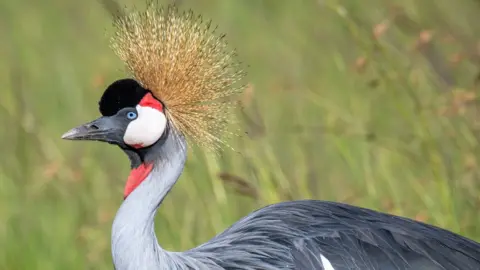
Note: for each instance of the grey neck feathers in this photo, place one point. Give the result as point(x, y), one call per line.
point(134, 244)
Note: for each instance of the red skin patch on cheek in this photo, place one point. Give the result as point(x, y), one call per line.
point(137, 145)
point(149, 101)
point(136, 177)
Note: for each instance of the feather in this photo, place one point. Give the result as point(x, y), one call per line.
point(185, 64)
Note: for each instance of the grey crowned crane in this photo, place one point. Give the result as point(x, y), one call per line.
point(183, 76)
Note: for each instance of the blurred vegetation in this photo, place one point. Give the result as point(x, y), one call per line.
point(373, 103)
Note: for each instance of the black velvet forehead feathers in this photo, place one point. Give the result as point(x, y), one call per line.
point(121, 94)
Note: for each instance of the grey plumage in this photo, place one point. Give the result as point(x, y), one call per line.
point(349, 237)
point(288, 235)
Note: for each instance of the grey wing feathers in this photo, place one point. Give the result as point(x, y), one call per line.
point(332, 236)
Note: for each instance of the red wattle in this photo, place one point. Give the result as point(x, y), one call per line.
point(149, 101)
point(136, 177)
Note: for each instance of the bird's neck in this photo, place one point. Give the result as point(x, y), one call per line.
point(134, 244)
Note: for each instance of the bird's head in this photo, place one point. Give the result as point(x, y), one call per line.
point(131, 118)
point(185, 80)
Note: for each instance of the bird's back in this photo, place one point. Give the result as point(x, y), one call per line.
point(313, 234)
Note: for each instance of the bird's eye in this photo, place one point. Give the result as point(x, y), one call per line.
point(131, 115)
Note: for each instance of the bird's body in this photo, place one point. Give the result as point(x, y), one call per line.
point(301, 235)
point(149, 121)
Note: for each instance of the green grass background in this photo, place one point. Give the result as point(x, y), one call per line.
point(373, 103)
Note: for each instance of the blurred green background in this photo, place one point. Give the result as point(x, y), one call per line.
point(373, 103)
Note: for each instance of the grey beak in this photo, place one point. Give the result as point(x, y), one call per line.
point(79, 133)
point(101, 129)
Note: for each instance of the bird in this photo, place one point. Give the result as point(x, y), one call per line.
point(182, 90)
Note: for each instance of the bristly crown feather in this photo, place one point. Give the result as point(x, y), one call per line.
point(185, 64)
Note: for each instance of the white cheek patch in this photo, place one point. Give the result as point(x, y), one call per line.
point(146, 129)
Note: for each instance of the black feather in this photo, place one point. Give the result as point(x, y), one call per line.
point(121, 94)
